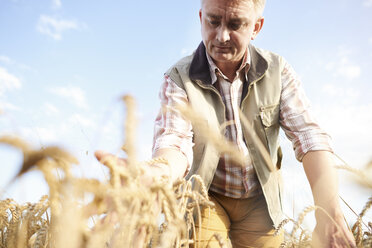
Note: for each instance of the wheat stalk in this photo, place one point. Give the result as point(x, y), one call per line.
point(120, 211)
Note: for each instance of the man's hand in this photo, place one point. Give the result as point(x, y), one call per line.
point(106, 158)
point(102, 156)
point(331, 234)
point(151, 171)
point(330, 231)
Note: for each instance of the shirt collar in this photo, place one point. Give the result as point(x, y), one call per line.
point(215, 71)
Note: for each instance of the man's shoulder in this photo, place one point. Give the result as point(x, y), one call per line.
point(270, 56)
point(182, 64)
point(180, 70)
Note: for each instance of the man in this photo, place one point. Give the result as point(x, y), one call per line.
point(226, 74)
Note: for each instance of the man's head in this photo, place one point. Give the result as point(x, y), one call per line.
point(228, 26)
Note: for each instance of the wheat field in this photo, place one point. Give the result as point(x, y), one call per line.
point(123, 212)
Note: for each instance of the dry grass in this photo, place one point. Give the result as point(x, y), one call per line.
point(362, 231)
point(121, 211)
point(117, 216)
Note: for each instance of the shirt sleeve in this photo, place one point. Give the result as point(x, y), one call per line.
point(296, 118)
point(171, 129)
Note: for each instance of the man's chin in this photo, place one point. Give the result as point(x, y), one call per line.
point(222, 57)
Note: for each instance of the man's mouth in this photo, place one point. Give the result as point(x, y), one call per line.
point(222, 47)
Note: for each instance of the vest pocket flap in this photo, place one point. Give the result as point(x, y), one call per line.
point(269, 114)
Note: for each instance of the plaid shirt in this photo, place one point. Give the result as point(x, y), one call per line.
point(175, 132)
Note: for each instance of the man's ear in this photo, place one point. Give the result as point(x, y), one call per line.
point(200, 15)
point(257, 27)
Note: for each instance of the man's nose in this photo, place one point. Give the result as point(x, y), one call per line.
point(223, 34)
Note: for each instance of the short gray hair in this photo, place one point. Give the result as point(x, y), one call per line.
point(258, 4)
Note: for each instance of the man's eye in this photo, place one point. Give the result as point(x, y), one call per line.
point(235, 26)
point(214, 23)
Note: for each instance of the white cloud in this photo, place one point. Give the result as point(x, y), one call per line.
point(8, 81)
point(340, 92)
point(185, 51)
point(367, 3)
point(7, 106)
point(55, 27)
point(57, 4)
point(74, 94)
point(345, 123)
point(72, 131)
point(350, 71)
point(344, 51)
point(39, 135)
point(82, 121)
point(50, 109)
point(6, 60)
point(26, 68)
point(343, 67)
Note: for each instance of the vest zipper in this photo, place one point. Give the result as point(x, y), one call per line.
point(200, 83)
point(249, 149)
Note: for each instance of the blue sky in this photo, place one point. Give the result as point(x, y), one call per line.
point(65, 64)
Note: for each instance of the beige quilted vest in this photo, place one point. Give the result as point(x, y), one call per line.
point(260, 105)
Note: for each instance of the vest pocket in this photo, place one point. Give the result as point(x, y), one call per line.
point(269, 115)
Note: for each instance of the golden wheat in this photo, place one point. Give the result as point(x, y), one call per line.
point(121, 211)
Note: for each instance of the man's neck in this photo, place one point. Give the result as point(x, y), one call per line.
point(229, 69)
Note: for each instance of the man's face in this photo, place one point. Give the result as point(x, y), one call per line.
point(227, 28)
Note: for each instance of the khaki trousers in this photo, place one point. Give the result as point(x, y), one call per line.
point(238, 222)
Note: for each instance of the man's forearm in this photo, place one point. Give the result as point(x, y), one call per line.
point(322, 176)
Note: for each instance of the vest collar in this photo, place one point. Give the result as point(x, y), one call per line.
point(199, 68)
point(259, 64)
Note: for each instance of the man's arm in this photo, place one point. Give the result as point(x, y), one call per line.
point(321, 174)
point(172, 132)
point(312, 147)
point(177, 163)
